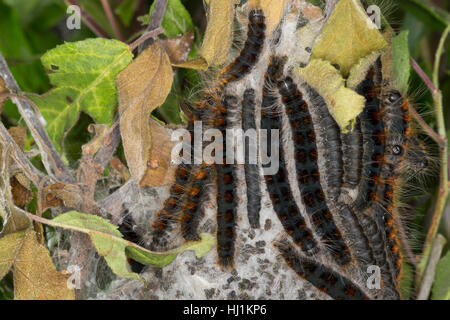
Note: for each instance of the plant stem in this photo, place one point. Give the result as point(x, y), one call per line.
point(50, 157)
point(436, 251)
point(112, 20)
point(444, 188)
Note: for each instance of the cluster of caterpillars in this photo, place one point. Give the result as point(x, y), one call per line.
point(368, 158)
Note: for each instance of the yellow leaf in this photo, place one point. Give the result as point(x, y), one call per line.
point(219, 33)
point(143, 86)
point(35, 276)
point(343, 103)
point(197, 64)
point(348, 36)
point(10, 245)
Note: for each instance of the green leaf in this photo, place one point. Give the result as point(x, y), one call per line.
point(433, 18)
point(400, 60)
point(110, 244)
point(441, 285)
point(106, 238)
point(176, 21)
point(200, 248)
point(83, 74)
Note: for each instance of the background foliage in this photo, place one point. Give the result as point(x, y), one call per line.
point(29, 28)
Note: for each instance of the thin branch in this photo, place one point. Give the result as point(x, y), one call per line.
point(29, 170)
point(89, 21)
point(422, 75)
point(444, 189)
point(112, 20)
point(155, 21)
point(436, 137)
point(50, 157)
point(435, 255)
point(437, 60)
point(145, 36)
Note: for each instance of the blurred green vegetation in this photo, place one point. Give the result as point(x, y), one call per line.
point(28, 28)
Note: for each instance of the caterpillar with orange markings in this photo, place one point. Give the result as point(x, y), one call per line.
point(278, 186)
point(322, 277)
point(307, 170)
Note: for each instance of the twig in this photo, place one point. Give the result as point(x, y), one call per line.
point(89, 21)
point(155, 21)
point(422, 75)
point(427, 282)
point(112, 20)
point(444, 188)
point(146, 36)
point(29, 170)
point(50, 157)
point(436, 137)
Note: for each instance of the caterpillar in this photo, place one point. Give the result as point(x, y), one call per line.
point(322, 277)
point(277, 184)
point(252, 178)
point(250, 52)
point(308, 175)
point(329, 132)
point(373, 133)
point(169, 215)
point(226, 192)
point(398, 131)
point(352, 147)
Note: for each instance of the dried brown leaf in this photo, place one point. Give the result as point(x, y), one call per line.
point(57, 194)
point(10, 245)
point(21, 194)
point(35, 276)
point(178, 48)
point(143, 86)
point(219, 33)
point(160, 171)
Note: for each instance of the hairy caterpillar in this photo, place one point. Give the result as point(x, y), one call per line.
point(278, 185)
point(398, 131)
point(250, 52)
point(251, 170)
point(226, 192)
point(329, 132)
point(322, 277)
point(308, 175)
point(373, 132)
point(352, 147)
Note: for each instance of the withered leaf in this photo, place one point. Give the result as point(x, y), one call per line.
point(10, 245)
point(178, 48)
point(57, 194)
point(21, 195)
point(35, 276)
point(159, 169)
point(219, 33)
point(143, 86)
